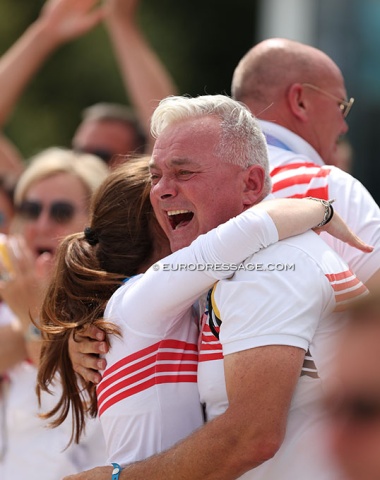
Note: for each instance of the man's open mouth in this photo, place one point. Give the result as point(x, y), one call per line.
point(179, 218)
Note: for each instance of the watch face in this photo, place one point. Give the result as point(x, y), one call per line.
point(116, 471)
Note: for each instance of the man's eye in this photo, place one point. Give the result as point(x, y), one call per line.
point(185, 172)
point(154, 178)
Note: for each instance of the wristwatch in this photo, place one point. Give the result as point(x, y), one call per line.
point(116, 471)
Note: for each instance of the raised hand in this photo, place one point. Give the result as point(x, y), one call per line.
point(69, 19)
point(59, 22)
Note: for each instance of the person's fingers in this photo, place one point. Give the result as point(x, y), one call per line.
point(84, 353)
point(339, 229)
point(90, 332)
point(88, 368)
point(357, 242)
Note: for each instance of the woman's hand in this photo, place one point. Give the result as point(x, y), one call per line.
point(340, 230)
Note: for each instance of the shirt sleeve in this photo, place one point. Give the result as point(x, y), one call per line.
point(362, 214)
point(173, 284)
point(273, 306)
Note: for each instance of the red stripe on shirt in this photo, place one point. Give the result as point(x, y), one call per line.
point(149, 383)
point(210, 347)
point(173, 360)
point(292, 166)
point(347, 287)
point(301, 178)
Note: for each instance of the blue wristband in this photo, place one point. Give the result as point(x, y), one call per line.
point(116, 471)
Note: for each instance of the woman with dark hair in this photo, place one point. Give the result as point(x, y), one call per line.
point(110, 276)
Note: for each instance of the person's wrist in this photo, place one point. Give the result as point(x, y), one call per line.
point(45, 36)
point(116, 471)
point(328, 210)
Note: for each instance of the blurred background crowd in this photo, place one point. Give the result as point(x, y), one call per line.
point(200, 44)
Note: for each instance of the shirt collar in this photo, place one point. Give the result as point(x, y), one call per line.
point(292, 141)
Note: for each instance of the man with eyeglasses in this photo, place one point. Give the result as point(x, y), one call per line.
point(299, 95)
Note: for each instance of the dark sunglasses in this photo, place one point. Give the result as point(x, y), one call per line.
point(358, 410)
point(59, 212)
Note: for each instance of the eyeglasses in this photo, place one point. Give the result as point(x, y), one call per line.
point(59, 212)
point(344, 105)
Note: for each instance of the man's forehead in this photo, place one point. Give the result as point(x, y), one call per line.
point(190, 142)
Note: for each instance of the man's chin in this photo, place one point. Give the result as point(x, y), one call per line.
point(181, 239)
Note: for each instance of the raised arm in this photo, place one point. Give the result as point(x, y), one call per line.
point(146, 79)
point(59, 22)
point(179, 279)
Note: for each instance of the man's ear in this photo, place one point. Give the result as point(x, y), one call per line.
point(297, 101)
point(254, 180)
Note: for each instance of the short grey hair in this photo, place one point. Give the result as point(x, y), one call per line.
point(242, 141)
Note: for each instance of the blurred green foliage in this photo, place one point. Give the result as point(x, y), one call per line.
point(200, 42)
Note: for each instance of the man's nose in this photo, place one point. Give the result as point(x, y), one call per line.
point(165, 188)
point(44, 220)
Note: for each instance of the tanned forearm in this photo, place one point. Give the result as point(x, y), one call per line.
point(210, 453)
point(20, 63)
point(60, 21)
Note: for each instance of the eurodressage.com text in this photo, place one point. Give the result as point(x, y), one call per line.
point(224, 267)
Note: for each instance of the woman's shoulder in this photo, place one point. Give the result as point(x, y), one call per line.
point(117, 296)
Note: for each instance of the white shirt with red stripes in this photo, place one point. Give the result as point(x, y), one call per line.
point(298, 171)
point(148, 397)
point(289, 301)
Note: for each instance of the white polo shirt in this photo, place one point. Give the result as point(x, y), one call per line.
point(288, 299)
point(298, 171)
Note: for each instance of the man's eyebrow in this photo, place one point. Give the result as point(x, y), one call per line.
point(177, 162)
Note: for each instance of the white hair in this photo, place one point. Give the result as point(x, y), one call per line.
point(241, 139)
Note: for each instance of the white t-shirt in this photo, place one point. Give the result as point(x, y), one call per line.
point(298, 171)
point(288, 302)
point(148, 397)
